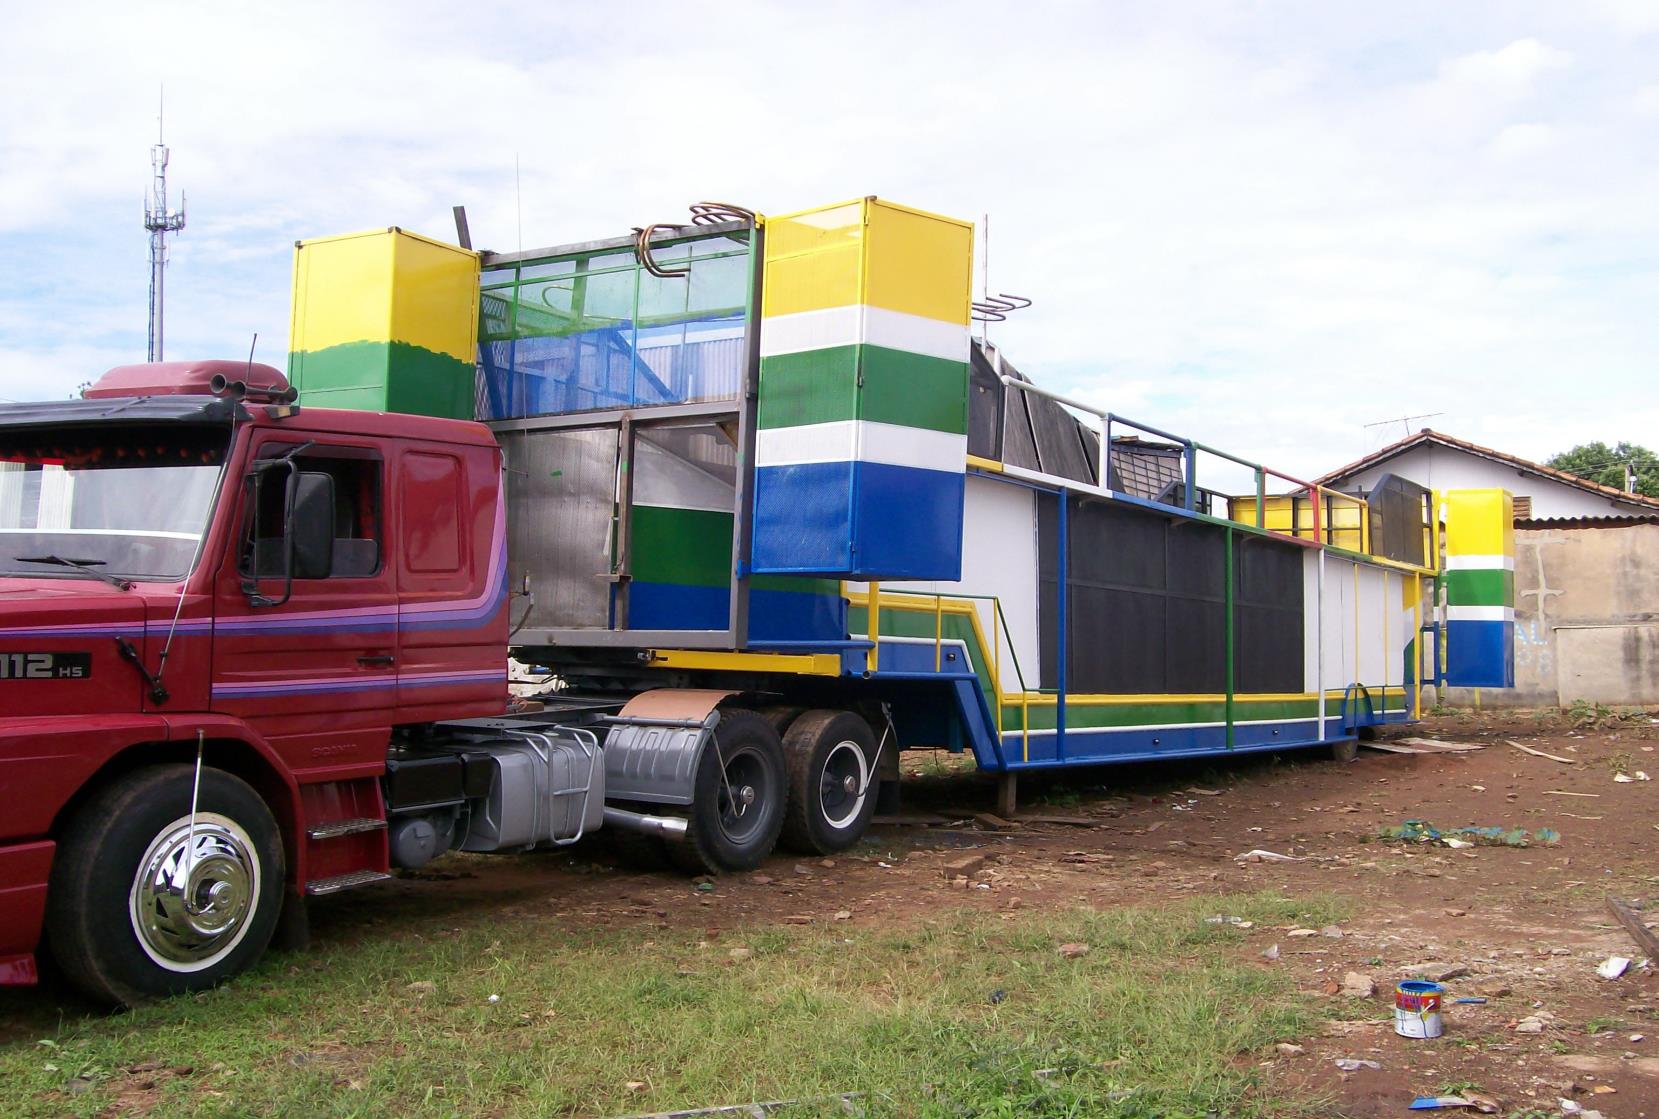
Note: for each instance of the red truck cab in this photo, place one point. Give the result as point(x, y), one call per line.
point(215, 609)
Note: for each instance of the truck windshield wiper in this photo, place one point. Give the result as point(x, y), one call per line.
point(83, 565)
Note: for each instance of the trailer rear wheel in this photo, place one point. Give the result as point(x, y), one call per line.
point(832, 781)
point(146, 900)
point(737, 800)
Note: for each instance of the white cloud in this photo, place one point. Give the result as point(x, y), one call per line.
point(1268, 226)
point(1522, 140)
point(1511, 70)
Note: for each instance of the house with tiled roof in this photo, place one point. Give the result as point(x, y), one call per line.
point(1586, 571)
point(1442, 462)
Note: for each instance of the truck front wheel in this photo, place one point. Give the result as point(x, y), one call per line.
point(146, 900)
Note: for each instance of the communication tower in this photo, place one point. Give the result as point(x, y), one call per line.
point(160, 221)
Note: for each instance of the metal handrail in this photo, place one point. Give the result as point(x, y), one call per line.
point(1322, 533)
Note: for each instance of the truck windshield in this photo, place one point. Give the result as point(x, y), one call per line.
point(124, 502)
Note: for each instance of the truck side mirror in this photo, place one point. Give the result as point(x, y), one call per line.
point(311, 525)
point(305, 549)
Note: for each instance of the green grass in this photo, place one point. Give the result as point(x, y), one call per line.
point(1165, 1017)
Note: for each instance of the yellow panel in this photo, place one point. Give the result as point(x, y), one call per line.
point(435, 301)
point(1479, 523)
point(385, 286)
point(1343, 527)
point(815, 230)
point(814, 260)
point(869, 252)
point(919, 263)
point(342, 291)
point(798, 664)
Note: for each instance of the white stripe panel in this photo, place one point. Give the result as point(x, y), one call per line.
point(1480, 613)
point(863, 325)
point(1479, 563)
point(862, 441)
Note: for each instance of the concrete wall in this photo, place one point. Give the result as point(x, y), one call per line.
point(1586, 618)
point(1446, 468)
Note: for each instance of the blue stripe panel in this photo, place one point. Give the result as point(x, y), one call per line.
point(796, 616)
point(773, 615)
point(803, 519)
point(1128, 744)
point(858, 520)
point(677, 606)
point(1480, 654)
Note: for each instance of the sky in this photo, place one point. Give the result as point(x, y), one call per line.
point(1278, 228)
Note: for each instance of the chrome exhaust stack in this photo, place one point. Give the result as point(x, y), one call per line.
point(671, 828)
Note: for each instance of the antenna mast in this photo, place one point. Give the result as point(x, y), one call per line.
point(160, 221)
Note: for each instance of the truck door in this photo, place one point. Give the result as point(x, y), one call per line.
point(315, 655)
point(451, 580)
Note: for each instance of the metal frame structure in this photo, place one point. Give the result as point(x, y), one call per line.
point(629, 420)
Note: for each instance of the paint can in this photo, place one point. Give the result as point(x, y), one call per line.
point(1417, 1009)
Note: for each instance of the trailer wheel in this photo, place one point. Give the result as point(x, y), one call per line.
point(146, 902)
point(738, 798)
point(780, 716)
point(832, 781)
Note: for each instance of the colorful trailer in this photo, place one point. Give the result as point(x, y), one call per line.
point(770, 455)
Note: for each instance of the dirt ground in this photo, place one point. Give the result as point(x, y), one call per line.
point(1523, 927)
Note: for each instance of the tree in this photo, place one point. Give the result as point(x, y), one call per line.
point(1597, 462)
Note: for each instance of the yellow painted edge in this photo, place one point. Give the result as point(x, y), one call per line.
point(799, 664)
point(795, 214)
point(433, 241)
point(982, 463)
point(868, 200)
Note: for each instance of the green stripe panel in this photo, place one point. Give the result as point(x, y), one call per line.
point(823, 386)
point(384, 377)
point(799, 583)
point(693, 547)
point(686, 546)
point(1492, 586)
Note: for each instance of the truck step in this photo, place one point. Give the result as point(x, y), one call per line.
point(336, 828)
point(339, 882)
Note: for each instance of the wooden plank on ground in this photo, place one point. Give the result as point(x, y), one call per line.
point(1442, 745)
point(1394, 748)
point(1539, 753)
point(1632, 922)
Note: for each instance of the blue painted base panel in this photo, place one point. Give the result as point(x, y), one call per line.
point(1142, 744)
point(1480, 654)
point(858, 520)
point(773, 615)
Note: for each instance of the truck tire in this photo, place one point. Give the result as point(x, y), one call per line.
point(780, 716)
point(116, 923)
point(832, 781)
point(736, 832)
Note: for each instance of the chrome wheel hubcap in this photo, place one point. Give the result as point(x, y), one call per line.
point(194, 892)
